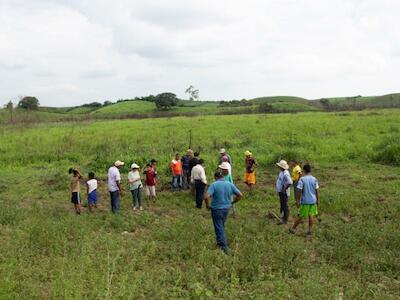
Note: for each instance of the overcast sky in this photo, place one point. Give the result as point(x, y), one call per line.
point(72, 52)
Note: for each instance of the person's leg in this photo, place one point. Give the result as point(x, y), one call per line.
point(118, 201)
point(219, 217)
point(200, 188)
point(139, 197)
point(281, 203)
point(153, 193)
point(197, 187)
point(285, 208)
point(134, 197)
point(310, 223)
point(180, 182)
point(174, 183)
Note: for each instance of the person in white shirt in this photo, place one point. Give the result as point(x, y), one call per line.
point(91, 189)
point(198, 178)
point(114, 185)
point(135, 186)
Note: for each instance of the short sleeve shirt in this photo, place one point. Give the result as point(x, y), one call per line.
point(296, 172)
point(92, 185)
point(221, 193)
point(284, 179)
point(75, 186)
point(308, 185)
point(113, 177)
point(134, 175)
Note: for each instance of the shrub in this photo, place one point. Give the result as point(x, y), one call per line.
point(388, 151)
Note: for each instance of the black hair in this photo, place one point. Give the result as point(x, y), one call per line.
point(91, 175)
point(201, 161)
point(294, 161)
point(218, 174)
point(196, 154)
point(153, 161)
point(148, 165)
point(307, 168)
point(70, 170)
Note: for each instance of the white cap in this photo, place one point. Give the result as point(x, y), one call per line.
point(224, 166)
point(119, 163)
point(134, 166)
point(222, 151)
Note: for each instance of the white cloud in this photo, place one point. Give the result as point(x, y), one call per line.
point(70, 52)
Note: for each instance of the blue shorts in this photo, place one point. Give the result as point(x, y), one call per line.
point(92, 198)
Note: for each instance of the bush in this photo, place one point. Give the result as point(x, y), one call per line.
point(388, 151)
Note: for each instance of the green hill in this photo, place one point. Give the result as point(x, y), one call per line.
point(126, 108)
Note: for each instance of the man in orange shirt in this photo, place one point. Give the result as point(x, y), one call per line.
point(177, 172)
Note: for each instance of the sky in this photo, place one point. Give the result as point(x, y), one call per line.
point(67, 53)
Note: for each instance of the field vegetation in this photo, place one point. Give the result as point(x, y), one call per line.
point(168, 251)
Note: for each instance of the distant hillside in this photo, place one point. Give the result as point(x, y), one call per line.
point(146, 109)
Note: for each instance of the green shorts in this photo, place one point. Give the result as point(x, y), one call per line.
point(308, 210)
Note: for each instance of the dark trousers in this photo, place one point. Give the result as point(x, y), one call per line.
point(219, 217)
point(199, 188)
point(137, 197)
point(115, 200)
point(284, 206)
point(186, 179)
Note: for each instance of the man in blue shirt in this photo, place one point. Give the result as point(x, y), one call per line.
point(307, 199)
point(221, 193)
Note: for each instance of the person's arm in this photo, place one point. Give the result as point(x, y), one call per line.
point(191, 176)
point(298, 196)
point(207, 200)
point(288, 183)
point(238, 197)
point(119, 186)
point(87, 189)
point(203, 176)
point(317, 193)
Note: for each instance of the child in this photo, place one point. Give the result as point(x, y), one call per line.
point(151, 180)
point(135, 186)
point(177, 172)
point(91, 190)
point(296, 174)
point(75, 189)
point(307, 199)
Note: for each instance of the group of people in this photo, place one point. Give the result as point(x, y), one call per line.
point(188, 172)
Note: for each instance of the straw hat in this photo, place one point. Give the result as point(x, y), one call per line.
point(224, 166)
point(283, 164)
point(134, 166)
point(222, 151)
point(119, 163)
point(248, 153)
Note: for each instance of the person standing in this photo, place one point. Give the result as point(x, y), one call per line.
point(91, 190)
point(226, 168)
point(198, 178)
point(75, 189)
point(221, 193)
point(283, 184)
point(135, 186)
point(186, 168)
point(223, 153)
point(307, 199)
point(177, 172)
point(250, 174)
point(296, 174)
point(151, 180)
point(114, 185)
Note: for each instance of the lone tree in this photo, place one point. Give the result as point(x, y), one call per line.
point(165, 101)
point(29, 102)
point(193, 93)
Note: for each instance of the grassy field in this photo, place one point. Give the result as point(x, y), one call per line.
point(168, 251)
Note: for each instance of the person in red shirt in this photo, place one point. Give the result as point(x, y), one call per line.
point(151, 179)
point(177, 172)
